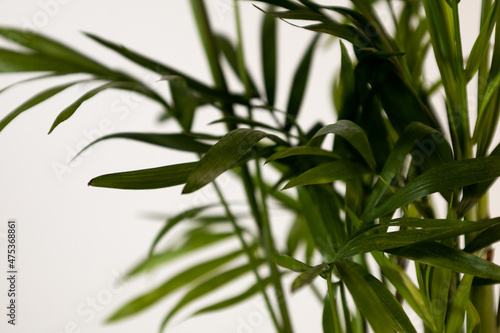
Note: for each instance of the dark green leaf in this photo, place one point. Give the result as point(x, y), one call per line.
point(268, 45)
point(146, 179)
point(299, 151)
point(290, 263)
point(307, 277)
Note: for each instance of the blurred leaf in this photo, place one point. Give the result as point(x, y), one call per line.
point(146, 179)
point(268, 56)
point(450, 175)
point(290, 263)
point(439, 255)
point(234, 300)
point(173, 221)
point(327, 173)
point(353, 134)
point(185, 102)
point(223, 156)
point(206, 287)
point(171, 285)
point(344, 31)
point(486, 238)
point(307, 277)
point(373, 299)
point(299, 84)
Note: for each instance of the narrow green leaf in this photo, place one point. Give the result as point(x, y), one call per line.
point(481, 45)
point(299, 151)
point(181, 142)
point(450, 175)
point(207, 287)
point(439, 255)
point(307, 277)
point(344, 31)
point(373, 299)
point(299, 84)
point(223, 156)
point(171, 285)
point(70, 110)
point(327, 173)
point(52, 49)
point(351, 132)
point(290, 263)
point(456, 315)
point(441, 229)
point(146, 179)
point(185, 102)
point(268, 55)
point(486, 238)
point(35, 100)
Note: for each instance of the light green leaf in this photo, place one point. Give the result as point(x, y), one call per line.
point(456, 315)
point(146, 179)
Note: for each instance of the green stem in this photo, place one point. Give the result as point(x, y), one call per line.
point(249, 253)
point(333, 304)
point(269, 249)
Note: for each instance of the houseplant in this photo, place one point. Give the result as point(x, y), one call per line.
point(390, 151)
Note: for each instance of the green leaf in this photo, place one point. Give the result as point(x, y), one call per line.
point(481, 45)
point(456, 315)
point(171, 285)
point(486, 238)
point(299, 84)
point(429, 230)
point(439, 255)
point(290, 263)
point(411, 136)
point(307, 277)
point(181, 142)
point(327, 173)
point(299, 151)
point(450, 175)
point(223, 156)
point(206, 287)
point(35, 100)
point(344, 31)
point(146, 179)
point(185, 102)
point(373, 299)
point(353, 134)
point(52, 49)
point(268, 55)
point(236, 299)
point(12, 62)
point(70, 110)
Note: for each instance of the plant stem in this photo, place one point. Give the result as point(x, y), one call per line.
point(333, 304)
point(269, 249)
point(250, 255)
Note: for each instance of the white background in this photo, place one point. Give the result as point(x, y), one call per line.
point(75, 240)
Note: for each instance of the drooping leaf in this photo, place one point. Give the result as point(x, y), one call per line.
point(269, 54)
point(223, 156)
point(146, 179)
